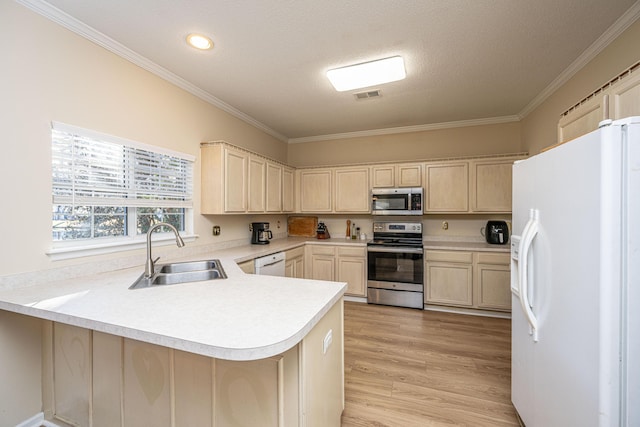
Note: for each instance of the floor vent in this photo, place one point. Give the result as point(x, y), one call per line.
point(368, 94)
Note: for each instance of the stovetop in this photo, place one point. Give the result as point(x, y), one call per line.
point(398, 234)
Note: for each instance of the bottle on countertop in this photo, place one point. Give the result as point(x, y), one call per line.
point(354, 234)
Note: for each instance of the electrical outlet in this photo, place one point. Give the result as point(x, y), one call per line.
point(216, 230)
point(445, 225)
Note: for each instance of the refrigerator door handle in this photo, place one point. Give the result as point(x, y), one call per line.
point(530, 232)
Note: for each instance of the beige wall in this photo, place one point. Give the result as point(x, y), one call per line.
point(539, 128)
point(453, 142)
point(51, 74)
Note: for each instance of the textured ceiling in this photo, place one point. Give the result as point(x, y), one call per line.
point(465, 59)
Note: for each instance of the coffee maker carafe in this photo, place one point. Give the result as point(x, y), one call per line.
point(260, 233)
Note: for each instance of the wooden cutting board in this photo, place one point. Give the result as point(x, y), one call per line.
point(302, 226)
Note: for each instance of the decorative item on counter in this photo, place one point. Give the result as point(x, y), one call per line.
point(322, 232)
point(347, 234)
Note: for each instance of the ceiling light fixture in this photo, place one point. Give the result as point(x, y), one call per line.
point(199, 41)
point(367, 74)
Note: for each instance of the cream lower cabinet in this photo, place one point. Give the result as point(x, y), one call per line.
point(102, 380)
point(468, 279)
point(339, 263)
point(294, 263)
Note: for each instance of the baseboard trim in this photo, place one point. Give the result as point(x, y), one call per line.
point(37, 421)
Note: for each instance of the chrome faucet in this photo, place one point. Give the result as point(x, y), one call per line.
point(149, 269)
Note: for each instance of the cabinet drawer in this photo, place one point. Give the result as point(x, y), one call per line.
point(293, 253)
point(352, 251)
point(323, 250)
point(449, 256)
point(493, 258)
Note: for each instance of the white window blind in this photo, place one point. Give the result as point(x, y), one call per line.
point(94, 169)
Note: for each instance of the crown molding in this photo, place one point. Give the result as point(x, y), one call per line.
point(407, 129)
point(618, 27)
point(56, 15)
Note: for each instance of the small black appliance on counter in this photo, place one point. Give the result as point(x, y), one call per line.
point(260, 233)
point(497, 232)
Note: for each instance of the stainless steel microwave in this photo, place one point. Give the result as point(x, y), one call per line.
point(396, 201)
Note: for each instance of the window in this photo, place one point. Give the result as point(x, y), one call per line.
point(107, 189)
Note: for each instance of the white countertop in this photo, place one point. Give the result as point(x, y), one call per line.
point(244, 317)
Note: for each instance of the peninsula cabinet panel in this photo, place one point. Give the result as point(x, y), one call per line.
point(352, 190)
point(447, 187)
point(491, 186)
point(100, 380)
point(315, 190)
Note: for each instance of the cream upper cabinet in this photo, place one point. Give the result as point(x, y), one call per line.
point(224, 179)
point(234, 181)
point(615, 101)
point(624, 97)
point(491, 185)
point(314, 193)
point(256, 187)
point(288, 175)
point(446, 187)
point(274, 186)
point(351, 190)
point(333, 190)
point(398, 175)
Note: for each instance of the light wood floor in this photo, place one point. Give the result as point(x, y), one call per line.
point(406, 367)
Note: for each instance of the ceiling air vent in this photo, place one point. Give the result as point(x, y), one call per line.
point(368, 94)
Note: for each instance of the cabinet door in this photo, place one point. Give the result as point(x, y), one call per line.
point(383, 176)
point(409, 175)
point(352, 190)
point(624, 97)
point(298, 267)
point(287, 190)
point(352, 268)
point(256, 188)
point(493, 289)
point(449, 284)
point(491, 186)
point(274, 187)
point(323, 267)
point(235, 181)
point(447, 187)
point(583, 119)
point(315, 190)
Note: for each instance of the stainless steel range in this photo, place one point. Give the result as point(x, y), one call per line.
point(395, 265)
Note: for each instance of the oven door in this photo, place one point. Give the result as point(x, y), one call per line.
point(395, 264)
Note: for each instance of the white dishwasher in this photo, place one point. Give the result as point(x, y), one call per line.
point(270, 265)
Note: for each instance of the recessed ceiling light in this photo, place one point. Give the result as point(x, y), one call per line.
point(367, 74)
point(199, 41)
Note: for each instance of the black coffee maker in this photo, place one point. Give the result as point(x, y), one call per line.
point(260, 233)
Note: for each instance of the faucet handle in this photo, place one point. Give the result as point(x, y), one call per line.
point(156, 260)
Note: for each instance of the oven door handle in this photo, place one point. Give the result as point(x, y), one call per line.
point(395, 250)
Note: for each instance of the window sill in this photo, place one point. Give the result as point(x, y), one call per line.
point(63, 252)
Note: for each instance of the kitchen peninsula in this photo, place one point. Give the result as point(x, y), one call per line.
point(246, 350)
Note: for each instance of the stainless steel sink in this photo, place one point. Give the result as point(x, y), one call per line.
point(182, 272)
point(181, 267)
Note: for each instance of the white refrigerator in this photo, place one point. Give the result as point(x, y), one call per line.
point(575, 281)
